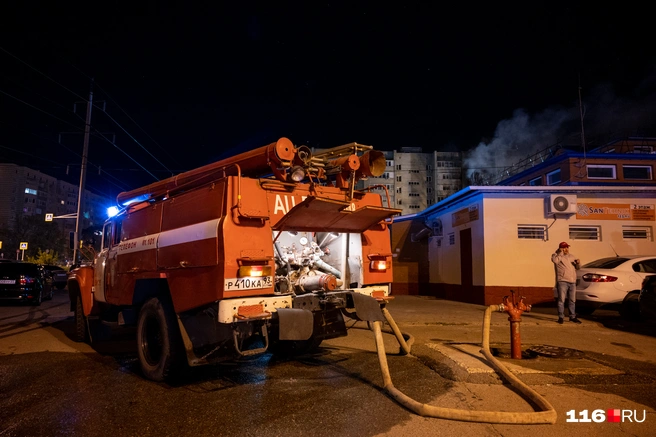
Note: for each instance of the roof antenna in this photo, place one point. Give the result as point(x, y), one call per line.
point(581, 115)
point(581, 172)
point(611, 246)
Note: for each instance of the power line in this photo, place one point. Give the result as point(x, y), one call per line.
point(38, 109)
point(41, 73)
point(131, 119)
point(135, 140)
point(82, 98)
point(125, 153)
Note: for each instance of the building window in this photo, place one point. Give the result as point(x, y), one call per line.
point(601, 171)
point(642, 172)
point(452, 239)
point(398, 179)
point(643, 149)
point(398, 166)
point(535, 181)
point(399, 202)
point(532, 232)
point(398, 190)
point(553, 178)
point(429, 179)
point(636, 232)
point(30, 191)
point(585, 233)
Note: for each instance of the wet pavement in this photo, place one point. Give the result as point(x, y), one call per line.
point(51, 385)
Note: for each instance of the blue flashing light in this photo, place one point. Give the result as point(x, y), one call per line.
point(141, 198)
point(112, 211)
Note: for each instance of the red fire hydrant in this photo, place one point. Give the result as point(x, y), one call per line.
point(515, 310)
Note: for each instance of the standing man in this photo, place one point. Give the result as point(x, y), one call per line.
point(566, 266)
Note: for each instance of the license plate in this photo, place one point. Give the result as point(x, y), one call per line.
point(7, 281)
point(252, 283)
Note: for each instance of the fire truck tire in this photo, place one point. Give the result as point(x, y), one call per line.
point(81, 324)
point(158, 340)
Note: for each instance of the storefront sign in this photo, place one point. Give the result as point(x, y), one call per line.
point(465, 215)
point(615, 211)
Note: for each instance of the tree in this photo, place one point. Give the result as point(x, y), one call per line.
point(47, 257)
point(39, 234)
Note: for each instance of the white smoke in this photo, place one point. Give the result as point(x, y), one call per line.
point(518, 138)
point(524, 135)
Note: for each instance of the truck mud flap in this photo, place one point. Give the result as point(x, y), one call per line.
point(295, 324)
point(367, 308)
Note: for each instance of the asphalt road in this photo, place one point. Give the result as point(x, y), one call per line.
point(53, 386)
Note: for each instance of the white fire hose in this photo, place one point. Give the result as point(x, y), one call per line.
point(546, 416)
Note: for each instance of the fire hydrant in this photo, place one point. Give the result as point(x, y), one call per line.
point(515, 310)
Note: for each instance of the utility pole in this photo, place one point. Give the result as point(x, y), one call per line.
point(83, 176)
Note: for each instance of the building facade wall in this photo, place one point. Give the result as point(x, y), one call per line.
point(513, 236)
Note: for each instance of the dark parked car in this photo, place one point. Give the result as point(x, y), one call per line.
point(641, 304)
point(56, 274)
point(23, 282)
point(648, 299)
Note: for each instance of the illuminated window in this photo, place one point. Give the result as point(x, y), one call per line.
point(30, 191)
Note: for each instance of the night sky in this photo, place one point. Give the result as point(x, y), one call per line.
point(183, 87)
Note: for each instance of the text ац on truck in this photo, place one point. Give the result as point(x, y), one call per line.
point(269, 249)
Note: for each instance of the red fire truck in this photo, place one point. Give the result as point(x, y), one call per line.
point(269, 249)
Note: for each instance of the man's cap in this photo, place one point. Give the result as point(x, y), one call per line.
point(563, 245)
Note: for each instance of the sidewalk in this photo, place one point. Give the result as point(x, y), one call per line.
point(547, 347)
point(447, 338)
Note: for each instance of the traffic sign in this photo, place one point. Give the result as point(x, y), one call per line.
point(23, 246)
point(49, 217)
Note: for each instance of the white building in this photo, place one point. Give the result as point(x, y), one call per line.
point(484, 241)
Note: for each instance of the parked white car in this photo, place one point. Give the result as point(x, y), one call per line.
point(605, 282)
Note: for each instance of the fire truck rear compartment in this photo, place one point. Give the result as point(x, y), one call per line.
point(314, 317)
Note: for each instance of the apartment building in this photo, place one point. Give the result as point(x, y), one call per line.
point(27, 192)
point(415, 180)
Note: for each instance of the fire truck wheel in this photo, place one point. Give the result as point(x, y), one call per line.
point(81, 327)
point(158, 340)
